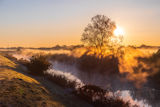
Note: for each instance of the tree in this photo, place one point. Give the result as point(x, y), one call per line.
point(99, 33)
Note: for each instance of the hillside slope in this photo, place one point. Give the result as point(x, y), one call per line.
point(18, 89)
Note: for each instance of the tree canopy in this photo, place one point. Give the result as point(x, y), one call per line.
point(99, 33)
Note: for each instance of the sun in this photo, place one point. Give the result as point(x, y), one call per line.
point(119, 32)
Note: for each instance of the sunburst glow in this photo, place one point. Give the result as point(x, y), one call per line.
point(118, 31)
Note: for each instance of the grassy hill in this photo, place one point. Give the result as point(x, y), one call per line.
point(18, 89)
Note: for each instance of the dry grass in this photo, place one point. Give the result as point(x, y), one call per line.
point(19, 90)
point(6, 62)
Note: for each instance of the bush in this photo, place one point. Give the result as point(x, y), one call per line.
point(61, 81)
point(90, 63)
point(38, 64)
point(87, 92)
point(97, 96)
point(153, 68)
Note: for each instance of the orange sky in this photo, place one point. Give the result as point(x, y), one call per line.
point(46, 23)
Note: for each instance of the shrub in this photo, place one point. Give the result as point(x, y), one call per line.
point(38, 64)
point(90, 63)
point(153, 68)
point(61, 81)
point(97, 96)
point(87, 92)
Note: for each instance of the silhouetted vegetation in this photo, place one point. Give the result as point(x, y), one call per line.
point(91, 63)
point(61, 80)
point(153, 63)
point(99, 34)
point(38, 64)
point(93, 94)
point(99, 98)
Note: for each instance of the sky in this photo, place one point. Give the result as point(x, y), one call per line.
point(45, 23)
